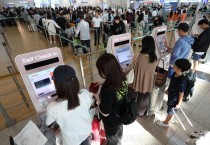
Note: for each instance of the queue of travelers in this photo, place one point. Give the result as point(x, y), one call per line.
point(71, 111)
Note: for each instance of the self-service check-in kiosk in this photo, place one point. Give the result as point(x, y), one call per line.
point(159, 35)
point(36, 69)
point(120, 47)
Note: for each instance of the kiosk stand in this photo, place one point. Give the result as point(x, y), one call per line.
point(120, 47)
point(36, 69)
point(159, 35)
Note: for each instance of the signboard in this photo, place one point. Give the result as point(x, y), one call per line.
point(190, 0)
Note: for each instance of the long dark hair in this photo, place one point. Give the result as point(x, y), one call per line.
point(148, 47)
point(69, 90)
point(109, 69)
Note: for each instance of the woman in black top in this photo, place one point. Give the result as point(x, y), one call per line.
point(110, 99)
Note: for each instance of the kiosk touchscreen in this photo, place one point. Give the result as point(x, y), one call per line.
point(159, 35)
point(120, 47)
point(36, 69)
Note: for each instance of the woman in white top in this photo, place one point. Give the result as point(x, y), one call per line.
point(51, 26)
point(32, 22)
point(71, 111)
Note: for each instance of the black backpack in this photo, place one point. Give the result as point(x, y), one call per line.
point(190, 78)
point(130, 109)
point(40, 22)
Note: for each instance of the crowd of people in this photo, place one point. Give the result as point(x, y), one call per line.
point(71, 110)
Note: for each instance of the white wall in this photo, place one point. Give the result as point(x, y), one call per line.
point(121, 3)
point(112, 3)
point(90, 2)
point(1, 5)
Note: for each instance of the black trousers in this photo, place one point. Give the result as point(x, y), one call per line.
point(114, 134)
point(143, 100)
point(97, 32)
point(86, 142)
point(87, 44)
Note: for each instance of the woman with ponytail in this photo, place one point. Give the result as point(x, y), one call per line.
point(144, 73)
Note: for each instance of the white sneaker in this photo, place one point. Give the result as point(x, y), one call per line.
point(191, 141)
point(198, 134)
point(160, 123)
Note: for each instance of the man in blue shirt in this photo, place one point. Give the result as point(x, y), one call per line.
point(181, 48)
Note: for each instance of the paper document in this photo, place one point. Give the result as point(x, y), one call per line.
point(30, 135)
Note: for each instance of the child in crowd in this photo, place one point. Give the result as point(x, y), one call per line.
point(176, 89)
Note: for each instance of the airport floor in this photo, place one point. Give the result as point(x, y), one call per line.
point(144, 131)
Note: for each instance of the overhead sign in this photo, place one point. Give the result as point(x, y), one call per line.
point(190, 0)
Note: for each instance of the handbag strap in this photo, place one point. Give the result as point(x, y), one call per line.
point(158, 68)
point(134, 64)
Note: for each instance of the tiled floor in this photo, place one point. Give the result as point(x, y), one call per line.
point(142, 132)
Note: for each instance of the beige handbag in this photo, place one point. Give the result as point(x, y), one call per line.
point(130, 76)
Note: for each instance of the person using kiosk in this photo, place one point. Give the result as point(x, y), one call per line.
point(144, 72)
point(112, 94)
point(181, 48)
point(201, 45)
point(71, 111)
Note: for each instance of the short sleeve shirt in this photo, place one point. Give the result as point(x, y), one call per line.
point(75, 124)
point(177, 85)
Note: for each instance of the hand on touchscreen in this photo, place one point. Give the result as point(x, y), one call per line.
point(166, 45)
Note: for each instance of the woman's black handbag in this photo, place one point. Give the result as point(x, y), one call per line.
point(131, 108)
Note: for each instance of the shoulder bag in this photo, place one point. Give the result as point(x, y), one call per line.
point(161, 75)
point(130, 75)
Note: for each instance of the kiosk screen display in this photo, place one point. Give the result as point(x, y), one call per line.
point(42, 82)
point(161, 40)
point(124, 54)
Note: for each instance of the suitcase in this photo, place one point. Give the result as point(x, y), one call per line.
point(98, 134)
point(196, 136)
point(30, 28)
point(143, 100)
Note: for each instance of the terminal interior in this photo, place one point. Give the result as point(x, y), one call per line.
point(15, 100)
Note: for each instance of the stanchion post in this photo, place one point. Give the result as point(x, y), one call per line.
point(45, 31)
point(11, 70)
point(172, 36)
point(59, 35)
point(9, 56)
point(82, 72)
point(90, 64)
point(8, 120)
